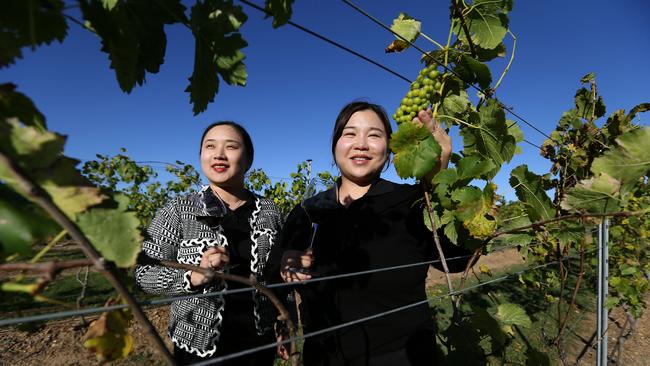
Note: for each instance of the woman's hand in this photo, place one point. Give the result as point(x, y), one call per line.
point(215, 258)
point(439, 134)
point(296, 265)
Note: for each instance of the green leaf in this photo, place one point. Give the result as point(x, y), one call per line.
point(485, 54)
point(513, 314)
point(408, 28)
point(487, 22)
point(473, 71)
point(22, 223)
point(586, 106)
point(38, 153)
point(451, 232)
point(17, 105)
point(473, 167)
point(488, 136)
point(29, 23)
point(454, 105)
point(218, 45)
point(113, 232)
point(470, 202)
point(627, 270)
point(483, 320)
point(280, 10)
point(132, 34)
point(629, 161)
point(521, 239)
point(596, 195)
point(416, 151)
point(529, 189)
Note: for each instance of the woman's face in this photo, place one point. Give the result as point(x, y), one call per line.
point(361, 151)
point(223, 157)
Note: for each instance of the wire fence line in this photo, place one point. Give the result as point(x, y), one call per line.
point(447, 68)
point(168, 300)
point(389, 70)
point(372, 317)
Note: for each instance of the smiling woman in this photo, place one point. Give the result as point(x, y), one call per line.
point(224, 227)
point(364, 223)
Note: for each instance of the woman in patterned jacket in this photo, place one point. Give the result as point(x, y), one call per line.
point(223, 227)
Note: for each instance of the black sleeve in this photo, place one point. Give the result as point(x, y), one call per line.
point(294, 236)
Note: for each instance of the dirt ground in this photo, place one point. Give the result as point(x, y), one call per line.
point(60, 342)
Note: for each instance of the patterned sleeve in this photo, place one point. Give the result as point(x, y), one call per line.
point(163, 238)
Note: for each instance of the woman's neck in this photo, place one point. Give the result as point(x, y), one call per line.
point(232, 197)
point(350, 191)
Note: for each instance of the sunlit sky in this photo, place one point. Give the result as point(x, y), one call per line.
point(297, 84)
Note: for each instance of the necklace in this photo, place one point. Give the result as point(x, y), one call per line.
point(234, 206)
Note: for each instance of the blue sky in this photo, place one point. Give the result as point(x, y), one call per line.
point(297, 84)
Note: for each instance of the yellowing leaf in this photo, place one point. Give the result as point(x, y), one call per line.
point(408, 28)
point(108, 336)
point(485, 270)
point(513, 314)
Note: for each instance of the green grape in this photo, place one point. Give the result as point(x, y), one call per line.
point(415, 86)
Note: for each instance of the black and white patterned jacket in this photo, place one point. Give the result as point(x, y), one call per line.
point(180, 232)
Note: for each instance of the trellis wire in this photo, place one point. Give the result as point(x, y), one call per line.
point(367, 15)
point(355, 53)
point(163, 301)
point(371, 317)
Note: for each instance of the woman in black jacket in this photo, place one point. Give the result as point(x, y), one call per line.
point(365, 223)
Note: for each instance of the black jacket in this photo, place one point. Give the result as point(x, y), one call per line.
point(384, 228)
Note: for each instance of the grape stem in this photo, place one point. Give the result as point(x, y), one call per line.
point(432, 41)
point(512, 57)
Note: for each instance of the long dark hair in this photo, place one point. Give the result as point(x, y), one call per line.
point(248, 143)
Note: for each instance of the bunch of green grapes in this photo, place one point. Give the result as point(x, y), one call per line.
point(422, 92)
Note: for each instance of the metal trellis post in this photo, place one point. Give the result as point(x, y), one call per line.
point(603, 286)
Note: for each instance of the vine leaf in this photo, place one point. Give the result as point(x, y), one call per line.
point(585, 106)
point(39, 153)
point(29, 23)
point(132, 34)
point(472, 167)
point(510, 314)
point(529, 189)
point(597, 194)
point(215, 25)
point(22, 223)
point(627, 162)
point(473, 71)
point(113, 232)
point(17, 105)
point(489, 136)
point(520, 239)
point(108, 336)
point(281, 11)
point(487, 21)
point(416, 151)
point(407, 27)
point(473, 206)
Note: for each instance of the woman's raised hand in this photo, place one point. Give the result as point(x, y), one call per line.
point(426, 118)
point(216, 258)
point(296, 265)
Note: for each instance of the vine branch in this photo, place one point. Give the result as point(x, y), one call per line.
point(542, 223)
point(40, 197)
point(436, 239)
point(459, 13)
